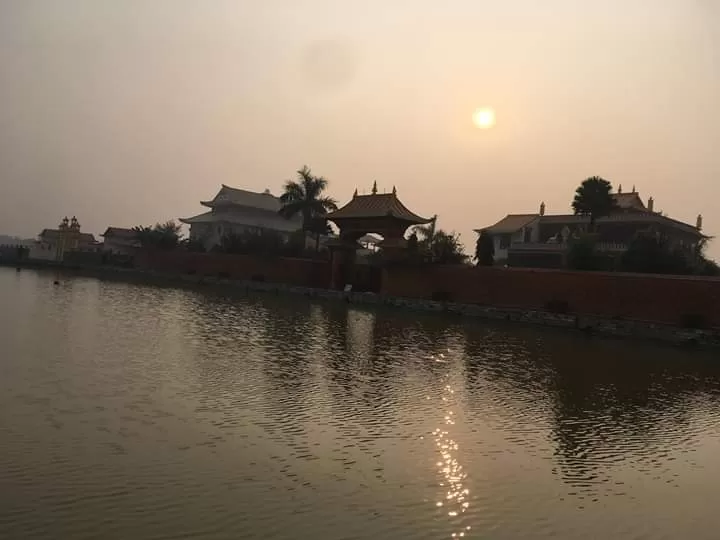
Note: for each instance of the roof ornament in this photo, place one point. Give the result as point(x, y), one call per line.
point(633, 188)
point(394, 191)
point(699, 222)
point(355, 194)
point(374, 188)
point(620, 189)
point(542, 208)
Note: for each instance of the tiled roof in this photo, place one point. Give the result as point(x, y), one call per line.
point(241, 197)
point(376, 206)
point(120, 232)
point(258, 218)
point(629, 201)
point(54, 234)
point(510, 223)
point(633, 217)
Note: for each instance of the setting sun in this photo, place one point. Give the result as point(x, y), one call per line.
point(484, 118)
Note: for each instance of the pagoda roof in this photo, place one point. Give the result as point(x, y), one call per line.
point(241, 197)
point(377, 206)
point(629, 201)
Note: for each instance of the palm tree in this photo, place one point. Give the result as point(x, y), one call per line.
point(425, 234)
point(593, 198)
point(304, 196)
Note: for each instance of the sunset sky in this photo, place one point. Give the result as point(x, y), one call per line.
point(130, 112)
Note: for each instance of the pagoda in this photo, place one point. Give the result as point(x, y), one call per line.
point(379, 213)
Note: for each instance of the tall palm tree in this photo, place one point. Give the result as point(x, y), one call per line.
point(426, 233)
point(304, 196)
point(593, 198)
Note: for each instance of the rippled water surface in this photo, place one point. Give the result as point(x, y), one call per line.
point(136, 412)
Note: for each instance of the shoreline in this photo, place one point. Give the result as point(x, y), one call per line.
point(587, 324)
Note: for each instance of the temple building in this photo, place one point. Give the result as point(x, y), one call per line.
point(382, 214)
point(237, 211)
point(541, 240)
point(54, 244)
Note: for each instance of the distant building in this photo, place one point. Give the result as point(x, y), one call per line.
point(120, 241)
point(237, 211)
point(53, 244)
point(540, 240)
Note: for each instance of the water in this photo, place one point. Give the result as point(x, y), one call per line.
point(145, 412)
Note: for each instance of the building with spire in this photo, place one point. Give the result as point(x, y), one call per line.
point(54, 244)
point(541, 240)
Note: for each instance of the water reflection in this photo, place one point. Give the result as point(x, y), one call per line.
point(608, 405)
point(218, 414)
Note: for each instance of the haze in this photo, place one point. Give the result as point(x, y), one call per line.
point(130, 112)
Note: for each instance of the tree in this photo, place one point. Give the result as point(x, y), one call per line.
point(304, 196)
point(582, 255)
point(447, 249)
point(703, 265)
point(593, 198)
point(653, 254)
point(485, 249)
point(425, 234)
point(164, 236)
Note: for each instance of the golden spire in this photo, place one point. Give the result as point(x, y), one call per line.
point(374, 188)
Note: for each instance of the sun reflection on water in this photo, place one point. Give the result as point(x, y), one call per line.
point(454, 498)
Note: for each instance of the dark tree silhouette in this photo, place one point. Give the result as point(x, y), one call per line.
point(485, 250)
point(304, 196)
point(593, 198)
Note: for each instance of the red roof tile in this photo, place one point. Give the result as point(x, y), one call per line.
point(376, 206)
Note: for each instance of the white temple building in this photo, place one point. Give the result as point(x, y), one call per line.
point(237, 211)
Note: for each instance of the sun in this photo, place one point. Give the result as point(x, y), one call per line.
point(484, 118)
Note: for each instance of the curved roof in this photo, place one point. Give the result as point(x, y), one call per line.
point(510, 223)
point(377, 206)
point(627, 201)
point(241, 197)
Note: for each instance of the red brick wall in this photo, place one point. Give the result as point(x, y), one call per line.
point(300, 272)
point(662, 299)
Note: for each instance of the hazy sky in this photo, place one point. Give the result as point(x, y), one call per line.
point(130, 112)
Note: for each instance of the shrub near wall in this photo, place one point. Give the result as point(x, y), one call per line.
point(300, 272)
point(682, 301)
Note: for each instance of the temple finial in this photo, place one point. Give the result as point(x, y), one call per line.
point(633, 188)
point(542, 208)
point(620, 188)
point(374, 189)
point(355, 194)
point(394, 191)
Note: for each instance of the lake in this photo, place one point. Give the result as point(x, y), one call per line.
point(151, 412)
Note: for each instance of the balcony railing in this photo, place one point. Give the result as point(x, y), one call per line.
point(557, 247)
